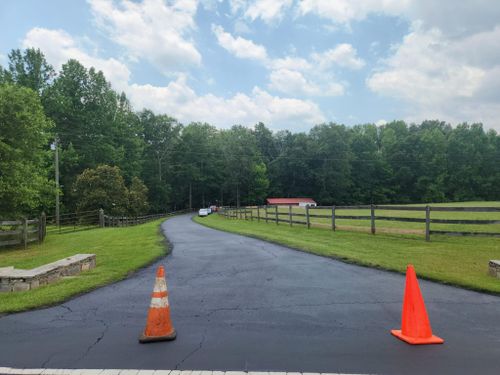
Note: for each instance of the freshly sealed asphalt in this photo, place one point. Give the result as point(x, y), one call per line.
point(243, 304)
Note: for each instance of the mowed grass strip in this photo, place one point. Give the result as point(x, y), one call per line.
point(458, 261)
point(119, 251)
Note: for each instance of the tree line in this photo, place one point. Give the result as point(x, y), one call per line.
point(112, 156)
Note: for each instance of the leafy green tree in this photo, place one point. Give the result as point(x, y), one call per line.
point(161, 136)
point(24, 135)
point(194, 158)
point(137, 198)
point(102, 187)
point(242, 162)
point(98, 123)
point(331, 157)
point(29, 68)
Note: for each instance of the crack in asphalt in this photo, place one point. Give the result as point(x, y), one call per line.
point(200, 345)
point(99, 338)
point(47, 360)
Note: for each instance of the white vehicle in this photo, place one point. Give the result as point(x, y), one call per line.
point(209, 210)
point(203, 212)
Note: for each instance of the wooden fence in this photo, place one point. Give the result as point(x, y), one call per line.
point(22, 232)
point(73, 222)
point(274, 214)
point(124, 221)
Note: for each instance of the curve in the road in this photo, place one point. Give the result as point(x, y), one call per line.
point(239, 303)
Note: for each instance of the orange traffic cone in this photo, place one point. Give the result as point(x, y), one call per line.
point(159, 326)
point(415, 325)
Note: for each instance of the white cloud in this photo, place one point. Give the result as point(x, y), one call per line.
point(455, 79)
point(344, 55)
point(153, 29)
point(267, 10)
point(58, 47)
point(293, 82)
point(290, 62)
point(240, 47)
point(179, 100)
point(237, 5)
point(452, 17)
point(295, 76)
point(448, 64)
point(345, 11)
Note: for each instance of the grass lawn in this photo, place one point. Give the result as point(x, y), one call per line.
point(458, 261)
point(119, 251)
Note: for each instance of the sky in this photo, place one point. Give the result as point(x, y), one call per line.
point(291, 64)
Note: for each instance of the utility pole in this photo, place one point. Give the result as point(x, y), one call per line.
point(56, 146)
point(238, 195)
point(190, 198)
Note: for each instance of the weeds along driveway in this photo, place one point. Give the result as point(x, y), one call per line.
point(239, 303)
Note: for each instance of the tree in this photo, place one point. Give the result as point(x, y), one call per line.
point(30, 69)
point(137, 198)
point(98, 123)
point(161, 137)
point(24, 135)
point(102, 187)
point(243, 166)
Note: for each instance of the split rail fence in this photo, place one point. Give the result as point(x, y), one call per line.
point(286, 214)
point(124, 221)
point(25, 231)
point(22, 232)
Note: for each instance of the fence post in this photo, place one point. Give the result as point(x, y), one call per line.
point(42, 227)
point(245, 209)
point(333, 218)
point(251, 214)
point(258, 214)
point(427, 223)
point(265, 208)
point(290, 215)
point(25, 232)
point(372, 215)
point(101, 218)
point(307, 217)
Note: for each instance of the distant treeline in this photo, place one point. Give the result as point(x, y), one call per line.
point(332, 163)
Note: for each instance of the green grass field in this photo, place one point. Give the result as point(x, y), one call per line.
point(457, 261)
point(119, 252)
point(393, 226)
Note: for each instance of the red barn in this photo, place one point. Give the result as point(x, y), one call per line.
point(302, 202)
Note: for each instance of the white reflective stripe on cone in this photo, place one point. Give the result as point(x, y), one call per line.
point(159, 302)
point(160, 285)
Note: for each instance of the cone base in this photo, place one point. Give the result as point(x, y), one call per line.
point(143, 339)
point(416, 340)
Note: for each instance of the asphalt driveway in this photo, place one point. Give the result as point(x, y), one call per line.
point(243, 304)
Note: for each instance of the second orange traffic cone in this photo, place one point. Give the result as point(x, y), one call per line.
point(159, 325)
point(415, 325)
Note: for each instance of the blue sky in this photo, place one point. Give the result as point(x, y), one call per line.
point(288, 63)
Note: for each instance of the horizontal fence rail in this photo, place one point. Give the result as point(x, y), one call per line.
point(72, 222)
point(286, 214)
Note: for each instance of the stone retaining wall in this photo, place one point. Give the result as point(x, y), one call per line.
point(13, 280)
point(494, 267)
